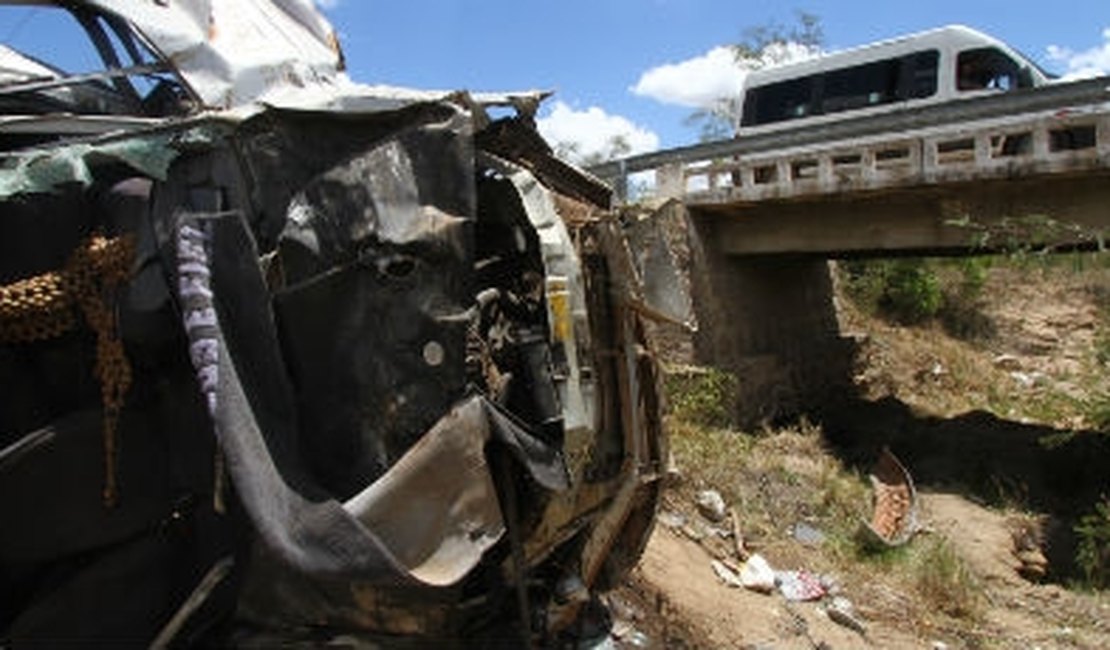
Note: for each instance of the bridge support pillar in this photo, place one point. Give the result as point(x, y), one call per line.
point(771, 321)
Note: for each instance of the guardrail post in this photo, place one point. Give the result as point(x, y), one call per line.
point(982, 149)
point(620, 184)
point(1040, 141)
point(670, 182)
point(1102, 136)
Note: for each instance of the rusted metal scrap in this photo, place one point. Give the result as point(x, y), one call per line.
point(894, 517)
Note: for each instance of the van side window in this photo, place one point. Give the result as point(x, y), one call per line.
point(988, 68)
point(785, 100)
point(860, 86)
point(920, 74)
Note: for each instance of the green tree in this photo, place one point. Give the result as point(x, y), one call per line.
point(760, 46)
point(617, 146)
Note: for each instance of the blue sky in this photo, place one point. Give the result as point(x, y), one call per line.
point(606, 59)
point(593, 54)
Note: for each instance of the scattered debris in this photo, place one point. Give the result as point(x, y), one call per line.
point(841, 611)
point(620, 608)
point(695, 530)
point(1029, 379)
point(934, 372)
point(726, 574)
point(628, 635)
point(711, 505)
point(800, 585)
point(894, 520)
point(808, 535)
point(757, 574)
point(737, 536)
point(671, 519)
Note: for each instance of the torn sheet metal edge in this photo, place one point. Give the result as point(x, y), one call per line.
point(563, 271)
point(75, 124)
point(282, 53)
point(43, 170)
point(436, 508)
point(232, 52)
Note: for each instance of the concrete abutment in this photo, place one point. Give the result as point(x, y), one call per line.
point(769, 320)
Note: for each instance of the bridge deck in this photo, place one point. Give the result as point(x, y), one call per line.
point(1061, 128)
point(896, 182)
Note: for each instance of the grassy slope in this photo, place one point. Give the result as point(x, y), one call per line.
point(1036, 353)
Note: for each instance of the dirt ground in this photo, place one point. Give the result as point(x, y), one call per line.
point(675, 600)
point(1043, 326)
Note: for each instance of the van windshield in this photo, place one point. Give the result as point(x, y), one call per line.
point(988, 68)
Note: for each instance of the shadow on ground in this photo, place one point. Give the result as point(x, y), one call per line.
point(985, 458)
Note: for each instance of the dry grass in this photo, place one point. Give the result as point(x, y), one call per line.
point(777, 478)
point(1045, 361)
point(1057, 328)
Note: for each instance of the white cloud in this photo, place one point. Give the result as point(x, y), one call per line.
point(1088, 63)
point(695, 82)
point(593, 134)
point(701, 82)
point(327, 4)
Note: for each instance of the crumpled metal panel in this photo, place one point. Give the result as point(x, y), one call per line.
point(373, 298)
point(282, 53)
point(14, 67)
point(390, 338)
point(566, 304)
point(46, 170)
point(233, 52)
point(438, 522)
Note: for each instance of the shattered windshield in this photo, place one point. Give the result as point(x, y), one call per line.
point(97, 66)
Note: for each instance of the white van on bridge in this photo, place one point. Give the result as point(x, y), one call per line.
point(932, 67)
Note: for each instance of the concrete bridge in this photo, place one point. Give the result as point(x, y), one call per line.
point(765, 214)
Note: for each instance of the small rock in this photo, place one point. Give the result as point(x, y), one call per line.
point(1007, 362)
point(1034, 564)
point(711, 505)
point(939, 645)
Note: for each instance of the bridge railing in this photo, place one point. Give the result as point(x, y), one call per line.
point(1057, 128)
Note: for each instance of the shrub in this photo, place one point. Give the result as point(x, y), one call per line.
point(906, 290)
point(702, 396)
point(912, 291)
point(1093, 552)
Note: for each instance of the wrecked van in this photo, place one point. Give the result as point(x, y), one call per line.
point(292, 359)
